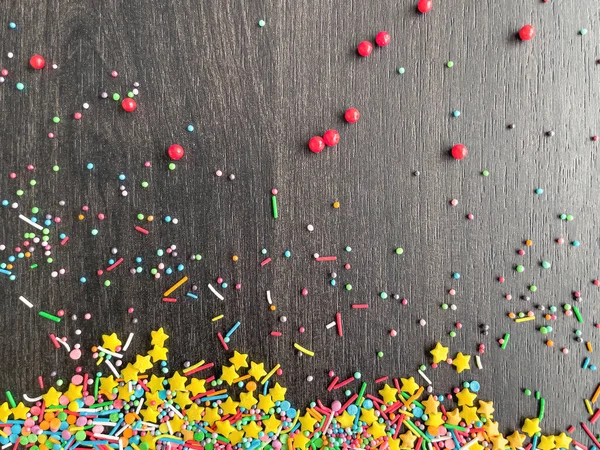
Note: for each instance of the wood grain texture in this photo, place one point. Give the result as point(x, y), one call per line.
point(255, 96)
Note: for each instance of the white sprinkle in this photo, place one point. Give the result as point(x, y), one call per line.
point(86, 106)
point(128, 342)
point(33, 224)
point(27, 302)
point(310, 228)
point(425, 377)
point(440, 439)
point(214, 291)
point(116, 355)
point(478, 361)
point(121, 430)
point(34, 399)
point(10, 54)
point(175, 411)
point(330, 325)
point(67, 346)
point(468, 444)
point(112, 368)
point(106, 436)
point(269, 298)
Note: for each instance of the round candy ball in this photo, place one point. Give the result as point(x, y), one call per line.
point(424, 6)
point(129, 104)
point(176, 152)
point(459, 151)
point(527, 32)
point(365, 48)
point(383, 38)
point(316, 144)
point(331, 138)
point(37, 62)
point(352, 115)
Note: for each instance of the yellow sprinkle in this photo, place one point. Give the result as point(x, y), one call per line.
point(3, 434)
point(303, 350)
point(198, 364)
point(525, 319)
point(99, 361)
point(135, 447)
point(175, 286)
point(270, 374)
point(53, 440)
point(336, 205)
point(588, 405)
point(589, 347)
point(219, 317)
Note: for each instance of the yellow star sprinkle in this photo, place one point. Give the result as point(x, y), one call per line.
point(247, 400)
point(547, 443)
point(159, 337)
point(142, 363)
point(111, 342)
point(300, 441)
point(265, 402)
point(377, 430)
point(73, 392)
point(156, 383)
point(196, 386)
point(486, 408)
point(20, 411)
point(129, 373)
point(461, 362)
point(277, 392)
point(5, 411)
point(431, 405)
point(531, 426)
point(224, 428)
point(238, 360)
point(257, 371)
point(158, 353)
point(182, 399)
point(50, 398)
point(229, 374)
point(469, 414)
point(308, 422)
point(388, 393)
point(491, 428)
point(499, 443)
point(409, 385)
point(177, 382)
point(211, 415)
point(149, 414)
point(252, 430)
point(107, 384)
point(194, 412)
point(466, 397)
point(516, 440)
point(453, 417)
point(346, 420)
point(271, 424)
point(368, 416)
point(563, 441)
point(439, 353)
point(408, 440)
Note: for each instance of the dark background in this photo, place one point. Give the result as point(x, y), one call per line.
point(255, 96)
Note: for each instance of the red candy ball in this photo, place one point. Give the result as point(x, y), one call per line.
point(352, 115)
point(129, 104)
point(316, 144)
point(365, 48)
point(383, 38)
point(176, 152)
point(331, 138)
point(459, 152)
point(527, 32)
point(37, 62)
point(424, 6)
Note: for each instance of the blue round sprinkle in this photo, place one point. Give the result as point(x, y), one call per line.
point(90, 166)
point(12, 25)
point(475, 386)
point(418, 412)
point(456, 275)
point(576, 243)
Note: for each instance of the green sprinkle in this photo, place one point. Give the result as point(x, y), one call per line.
point(399, 251)
point(130, 94)
point(444, 306)
point(116, 97)
point(383, 295)
point(140, 217)
point(348, 287)
point(452, 334)
point(563, 217)
point(546, 264)
point(542, 408)
point(567, 307)
point(172, 166)
point(577, 314)
point(11, 400)
point(485, 173)
point(520, 268)
point(578, 333)
point(145, 184)
point(401, 70)
point(380, 354)
point(35, 210)
point(537, 395)
point(32, 182)
point(569, 217)
point(55, 168)
point(583, 31)
point(505, 341)
point(543, 330)
point(20, 86)
point(107, 283)
point(533, 288)
point(261, 23)
point(20, 192)
point(49, 316)
point(56, 119)
point(274, 206)
point(450, 64)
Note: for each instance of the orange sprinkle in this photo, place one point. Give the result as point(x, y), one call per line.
point(512, 315)
point(150, 218)
point(336, 205)
point(272, 307)
point(81, 217)
point(596, 394)
point(589, 347)
point(550, 343)
point(528, 242)
point(235, 258)
point(251, 386)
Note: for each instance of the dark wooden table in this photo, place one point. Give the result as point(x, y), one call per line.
point(255, 96)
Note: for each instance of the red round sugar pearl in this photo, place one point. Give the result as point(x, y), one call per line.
point(596, 282)
point(77, 116)
point(176, 152)
point(37, 62)
point(331, 138)
point(352, 115)
point(316, 144)
point(383, 38)
point(459, 151)
point(527, 32)
point(365, 48)
point(424, 6)
point(129, 104)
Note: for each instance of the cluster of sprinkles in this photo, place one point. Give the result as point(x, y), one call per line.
point(138, 406)
point(144, 404)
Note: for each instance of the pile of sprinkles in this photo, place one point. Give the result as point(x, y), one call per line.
point(145, 404)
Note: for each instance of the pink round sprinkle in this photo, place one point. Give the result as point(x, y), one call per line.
point(78, 369)
point(60, 313)
point(101, 216)
point(565, 350)
point(452, 292)
point(75, 353)
point(530, 313)
point(13, 175)
point(77, 116)
point(577, 294)
point(30, 167)
point(568, 313)
point(100, 272)
point(404, 302)
point(458, 325)
point(218, 173)
point(147, 164)
point(596, 282)
point(4, 72)
point(595, 138)
point(305, 292)
point(508, 297)
point(331, 373)
point(274, 191)
point(470, 216)
point(219, 280)
point(114, 74)
point(434, 365)
point(51, 135)
point(279, 371)
point(347, 266)
point(501, 279)
point(500, 341)
point(521, 252)
point(87, 316)
point(85, 208)
point(597, 325)
point(560, 241)
point(57, 219)
point(393, 333)
point(130, 310)
point(302, 329)
point(336, 406)
point(456, 390)
point(454, 202)
point(238, 286)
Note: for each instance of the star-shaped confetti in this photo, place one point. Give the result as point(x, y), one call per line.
point(229, 374)
point(158, 353)
point(142, 363)
point(461, 362)
point(257, 371)
point(177, 382)
point(20, 411)
point(562, 441)
point(547, 443)
point(129, 373)
point(159, 337)
point(408, 439)
point(409, 385)
point(531, 426)
point(465, 397)
point(277, 393)
point(431, 404)
point(439, 353)
point(486, 408)
point(111, 342)
point(238, 360)
point(51, 397)
point(516, 440)
point(388, 393)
